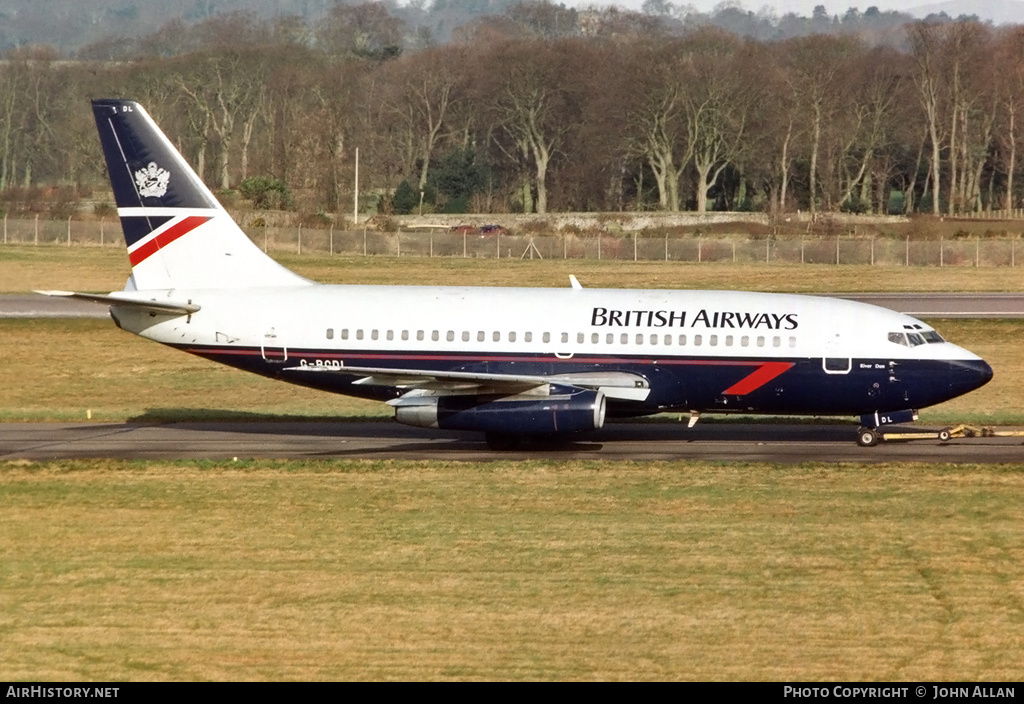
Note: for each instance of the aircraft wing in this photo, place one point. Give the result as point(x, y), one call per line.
point(165, 307)
point(618, 385)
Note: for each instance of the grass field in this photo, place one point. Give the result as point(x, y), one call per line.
point(353, 570)
point(507, 570)
point(25, 269)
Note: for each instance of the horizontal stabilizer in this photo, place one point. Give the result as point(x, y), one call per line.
point(165, 307)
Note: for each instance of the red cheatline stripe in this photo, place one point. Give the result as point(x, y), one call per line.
point(761, 376)
point(166, 237)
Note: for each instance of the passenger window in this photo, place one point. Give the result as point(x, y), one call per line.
point(512, 337)
point(435, 335)
point(330, 333)
point(547, 337)
point(776, 341)
point(344, 333)
point(373, 334)
point(391, 335)
point(405, 334)
point(527, 337)
point(668, 339)
point(565, 337)
point(481, 336)
point(579, 338)
point(359, 334)
point(450, 336)
point(760, 340)
point(713, 341)
point(745, 341)
point(697, 340)
point(728, 340)
point(624, 339)
point(609, 339)
point(792, 341)
point(639, 339)
point(595, 338)
point(419, 335)
point(496, 336)
point(682, 340)
point(465, 335)
point(654, 339)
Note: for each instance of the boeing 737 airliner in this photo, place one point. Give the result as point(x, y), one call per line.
point(508, 362)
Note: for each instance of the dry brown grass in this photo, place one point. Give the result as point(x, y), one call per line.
point(359, 570)
point(106, 269)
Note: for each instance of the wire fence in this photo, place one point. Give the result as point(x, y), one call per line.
point(882, 251)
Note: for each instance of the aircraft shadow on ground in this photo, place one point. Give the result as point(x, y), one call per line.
point(717, 430)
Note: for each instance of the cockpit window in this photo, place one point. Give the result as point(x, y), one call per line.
point(931, 337)
point(899, 338)
point(915, 339)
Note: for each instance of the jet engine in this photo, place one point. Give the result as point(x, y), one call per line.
point(570, 412)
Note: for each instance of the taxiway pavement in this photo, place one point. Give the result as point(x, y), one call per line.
point(786, 442)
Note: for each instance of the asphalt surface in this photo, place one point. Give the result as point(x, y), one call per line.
point(786, 443)
point(925, 305)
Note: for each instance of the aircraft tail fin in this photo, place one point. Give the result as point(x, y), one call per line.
point(178, 235)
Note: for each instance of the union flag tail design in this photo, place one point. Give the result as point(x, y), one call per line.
point(178, 235)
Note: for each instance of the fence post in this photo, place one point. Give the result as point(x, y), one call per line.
point(431, 246)
point(634, 245)
point(264, 239)
point(768, 251)
point(907, 255)
point(463, 245)
point(942, 254)
point(364, 241)
point(565, 247)
point(666, 246)
point(734, 251)
point(101, 230)
point(801, 249)
point(69, 230)
point(35, 240)
point(977, 253)
point(398, 242)
point(837, 250)
point(5, 228)
point(872, 250)
point(599, 238)
point(700, 253)
point(332, 238)
point(497, 243)
point(1013, 253)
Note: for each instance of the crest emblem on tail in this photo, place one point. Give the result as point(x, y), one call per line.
point(152, 181)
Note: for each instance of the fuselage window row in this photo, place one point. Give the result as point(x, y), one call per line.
point(609, 339)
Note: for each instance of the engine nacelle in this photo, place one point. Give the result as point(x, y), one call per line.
point(575, 411)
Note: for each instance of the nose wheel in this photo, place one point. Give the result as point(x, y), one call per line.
point(867, 437)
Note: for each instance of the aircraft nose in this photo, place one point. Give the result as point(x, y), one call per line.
point(968, 375)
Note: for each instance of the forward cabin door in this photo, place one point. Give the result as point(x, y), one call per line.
point(836, 359)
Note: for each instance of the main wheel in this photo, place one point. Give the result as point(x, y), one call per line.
point(944, 435)
point(867, 437)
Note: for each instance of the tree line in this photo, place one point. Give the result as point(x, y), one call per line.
point(625, 114)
